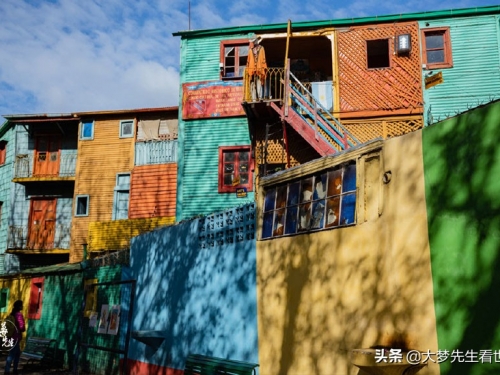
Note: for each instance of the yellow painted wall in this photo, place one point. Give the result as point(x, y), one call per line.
point(99, 160)
point(19, 288)
point(116, 235)
point(320, 295)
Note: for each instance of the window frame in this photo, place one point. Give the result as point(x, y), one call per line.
point(222, 66)
point(86, 207)
point(131, 135)
point(389, 60)
point(90, 291)
point(36, 287)
point(121, 188)
point(448, 57)
point(87, 138)
point(3, 152)
point(4, 292)
point(287, 204)
point(232, 189)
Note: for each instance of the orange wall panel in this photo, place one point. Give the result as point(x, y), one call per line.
point(368, 92)
point(153, 191)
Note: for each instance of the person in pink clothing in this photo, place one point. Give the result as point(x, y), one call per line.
point(15, 352)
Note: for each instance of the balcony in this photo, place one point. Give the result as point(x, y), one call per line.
point(39, 240)
point(54, 167)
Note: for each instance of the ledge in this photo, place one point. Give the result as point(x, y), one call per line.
point(150, 338)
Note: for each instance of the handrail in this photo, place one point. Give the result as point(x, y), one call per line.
point(316, 105)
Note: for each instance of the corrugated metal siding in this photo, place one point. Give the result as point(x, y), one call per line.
point(200, 172)
point(199, 139)
point(153, 191)
point(6, 173)
point(116, 235)
point(475, 76)
point(99, 160)
point(200, 58)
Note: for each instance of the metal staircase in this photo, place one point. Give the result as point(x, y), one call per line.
point(297, 106)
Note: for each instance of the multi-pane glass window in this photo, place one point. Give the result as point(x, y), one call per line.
point(437, 48)
point(322, 201)
point(234, 58)
point(235, 169)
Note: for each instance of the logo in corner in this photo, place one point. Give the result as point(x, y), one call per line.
point(9, 334)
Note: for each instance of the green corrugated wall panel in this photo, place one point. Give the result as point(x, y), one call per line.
point(199, 140)
point(62, 301)
point(201, 164)
point(61, 308)
point(475, 76)
point(200, 58)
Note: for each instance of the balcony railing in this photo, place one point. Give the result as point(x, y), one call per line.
point(23, 238)
point(25, 168)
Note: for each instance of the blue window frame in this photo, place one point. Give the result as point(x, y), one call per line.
point(322, 201)
point(87, 130)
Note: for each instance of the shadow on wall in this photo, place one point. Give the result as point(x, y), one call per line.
point(196, 286)
point(323, 294)
point(462, 160)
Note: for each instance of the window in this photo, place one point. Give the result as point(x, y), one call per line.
point(436, 47)
point(122, 195)
point(377, 53)
point(3, 152)
point(126, 128)
point(82, 205)
point(36, 298)
point(322, 201)
point(235, 168)
point(87, 129)
point(233, 58)
point(4, 299)
point(90, 291)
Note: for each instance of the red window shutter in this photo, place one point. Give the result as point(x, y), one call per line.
point(36, 298)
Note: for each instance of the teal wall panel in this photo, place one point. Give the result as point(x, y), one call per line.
point(199, 140)
point(474, 78)
point(61, 309)
point(462, 165)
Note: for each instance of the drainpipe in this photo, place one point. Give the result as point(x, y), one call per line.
point(84, 251)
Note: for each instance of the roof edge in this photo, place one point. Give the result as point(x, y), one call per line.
point(418, 16)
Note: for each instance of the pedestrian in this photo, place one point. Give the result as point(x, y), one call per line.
point(15, 352)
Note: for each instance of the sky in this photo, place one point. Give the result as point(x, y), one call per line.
point(64, 56)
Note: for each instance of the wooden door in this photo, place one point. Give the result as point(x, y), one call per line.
point(47, 155)
point(42, 224)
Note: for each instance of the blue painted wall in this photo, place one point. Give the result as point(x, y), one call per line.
point(196, 284)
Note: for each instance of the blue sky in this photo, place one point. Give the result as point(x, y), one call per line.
point(61, 56)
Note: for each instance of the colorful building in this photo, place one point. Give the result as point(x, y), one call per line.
point(126, 178)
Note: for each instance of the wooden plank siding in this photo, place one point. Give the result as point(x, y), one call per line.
point(153, 191)
point(474, 78)
point(99, 161)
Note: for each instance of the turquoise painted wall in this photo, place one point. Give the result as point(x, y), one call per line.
point(60, 318)
point(474, 78)
point(197, 182)
point(462, 165)
point(196, 286)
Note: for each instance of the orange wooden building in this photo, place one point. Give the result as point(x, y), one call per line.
point(126, 177)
